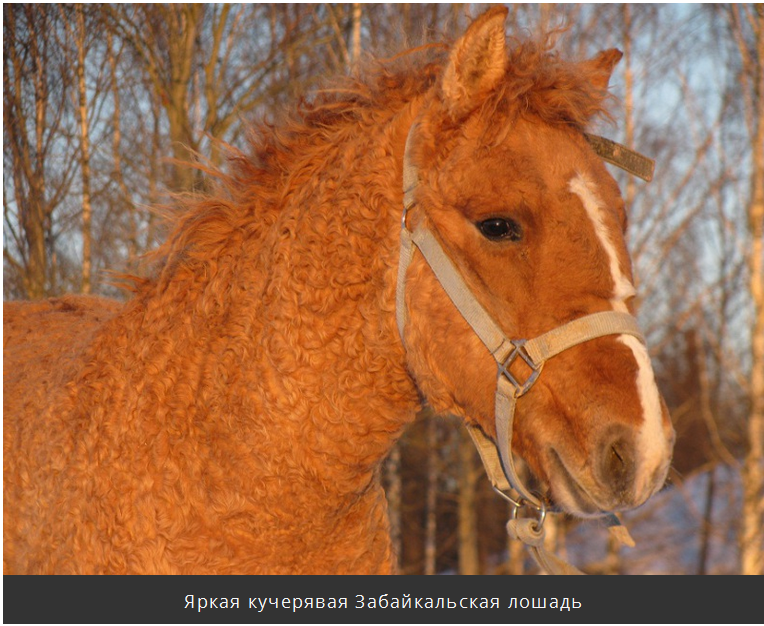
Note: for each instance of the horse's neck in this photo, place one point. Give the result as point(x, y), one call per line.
point(335, 365)
point(292, 338)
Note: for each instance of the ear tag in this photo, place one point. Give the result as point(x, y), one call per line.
point(623, 157)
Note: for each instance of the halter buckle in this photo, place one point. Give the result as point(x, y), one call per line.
point(521, 388)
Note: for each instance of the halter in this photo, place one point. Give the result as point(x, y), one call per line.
point(497, 456)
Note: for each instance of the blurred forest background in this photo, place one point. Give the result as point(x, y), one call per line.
point(102, 103)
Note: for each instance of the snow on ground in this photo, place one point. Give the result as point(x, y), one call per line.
point(668, 529)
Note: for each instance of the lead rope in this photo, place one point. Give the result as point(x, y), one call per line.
point(497, 457)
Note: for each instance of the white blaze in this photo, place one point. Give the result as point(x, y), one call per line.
point(652, 444)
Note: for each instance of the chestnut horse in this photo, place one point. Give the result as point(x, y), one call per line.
point(232, 416)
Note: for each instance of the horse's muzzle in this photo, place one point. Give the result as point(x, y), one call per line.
point(621, 473)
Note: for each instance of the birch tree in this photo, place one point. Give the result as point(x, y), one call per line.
point(78, 34)
point(746, 24)
point(37, 130)
point(470, 472)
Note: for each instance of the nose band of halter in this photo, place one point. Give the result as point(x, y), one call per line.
point(497, 456)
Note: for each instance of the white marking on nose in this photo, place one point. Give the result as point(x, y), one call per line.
point(652, 444)
point(623, 289)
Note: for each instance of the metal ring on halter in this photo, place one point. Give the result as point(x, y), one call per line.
point(521, 503)
point(403, 218)
point(541, 508)
point(518, 351)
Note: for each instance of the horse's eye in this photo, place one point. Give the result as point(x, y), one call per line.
point(500, 229)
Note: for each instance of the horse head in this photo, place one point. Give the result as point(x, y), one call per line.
point(517, 199)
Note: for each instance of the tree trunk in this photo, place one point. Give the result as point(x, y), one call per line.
point(469, 555)
point(25, 70)
point(752, 536)
point(355, 46)
point(707, 523)
point(752, 547)
point(628, 79)
point(394, 494)
point(82, 114)
point(188, 20)
point(431, 528)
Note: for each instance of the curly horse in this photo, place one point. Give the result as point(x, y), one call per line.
point(233, 414)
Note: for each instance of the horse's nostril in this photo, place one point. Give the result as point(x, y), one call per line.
point(617, 465)
point(618, 468)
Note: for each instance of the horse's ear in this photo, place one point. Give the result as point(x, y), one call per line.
point(476, 64)
point(600, 68)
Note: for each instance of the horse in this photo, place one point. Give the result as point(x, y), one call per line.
point(233, 414)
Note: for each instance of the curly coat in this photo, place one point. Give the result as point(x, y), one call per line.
point(232, 416)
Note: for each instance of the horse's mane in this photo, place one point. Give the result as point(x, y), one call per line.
point(251, 193)
point(537, 81)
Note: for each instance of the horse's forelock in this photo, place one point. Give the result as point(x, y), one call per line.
point(540, 83)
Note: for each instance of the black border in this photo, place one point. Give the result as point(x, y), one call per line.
point(590, 599)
